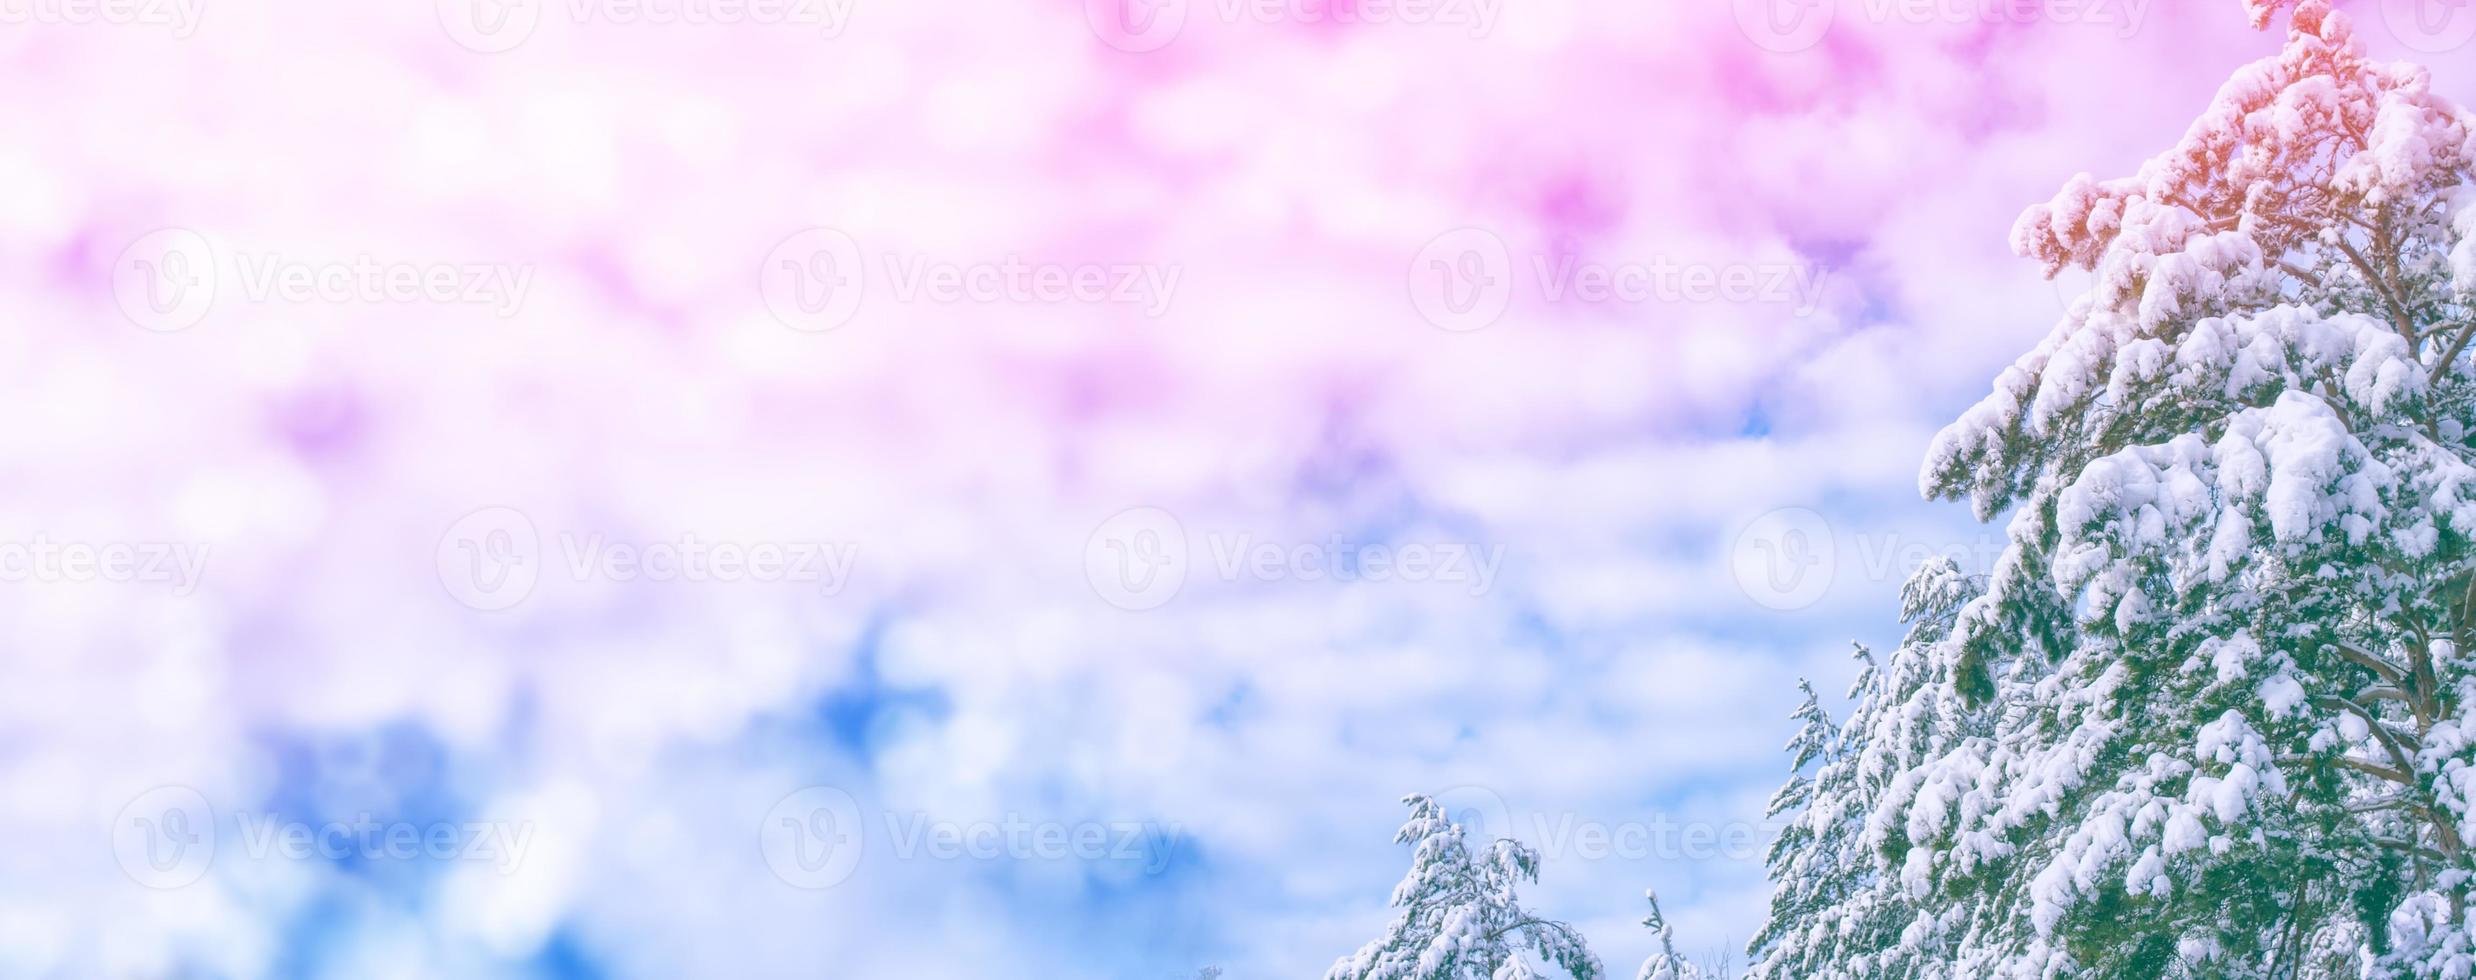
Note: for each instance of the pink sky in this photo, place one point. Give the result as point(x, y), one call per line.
point(1257, 197)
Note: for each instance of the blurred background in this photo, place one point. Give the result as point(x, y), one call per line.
point(1013, 489)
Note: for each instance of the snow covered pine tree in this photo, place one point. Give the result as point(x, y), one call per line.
point(1837, 910)
point(1806, 857)
point(2210, 713)
point(1460, 918)
point(1665, 964)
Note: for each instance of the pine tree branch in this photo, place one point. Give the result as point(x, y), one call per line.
point(2309, 277)
point(2458, 345)
point(2380, 729)
point(2405, 324)
point(2410, 847)
point(2385, 803)
point(2394, 673)
point(2399, 776)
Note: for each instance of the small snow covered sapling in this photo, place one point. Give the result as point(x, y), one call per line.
point(1665, 964)
point(1461, 918)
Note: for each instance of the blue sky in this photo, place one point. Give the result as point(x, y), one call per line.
point(1536, 403)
